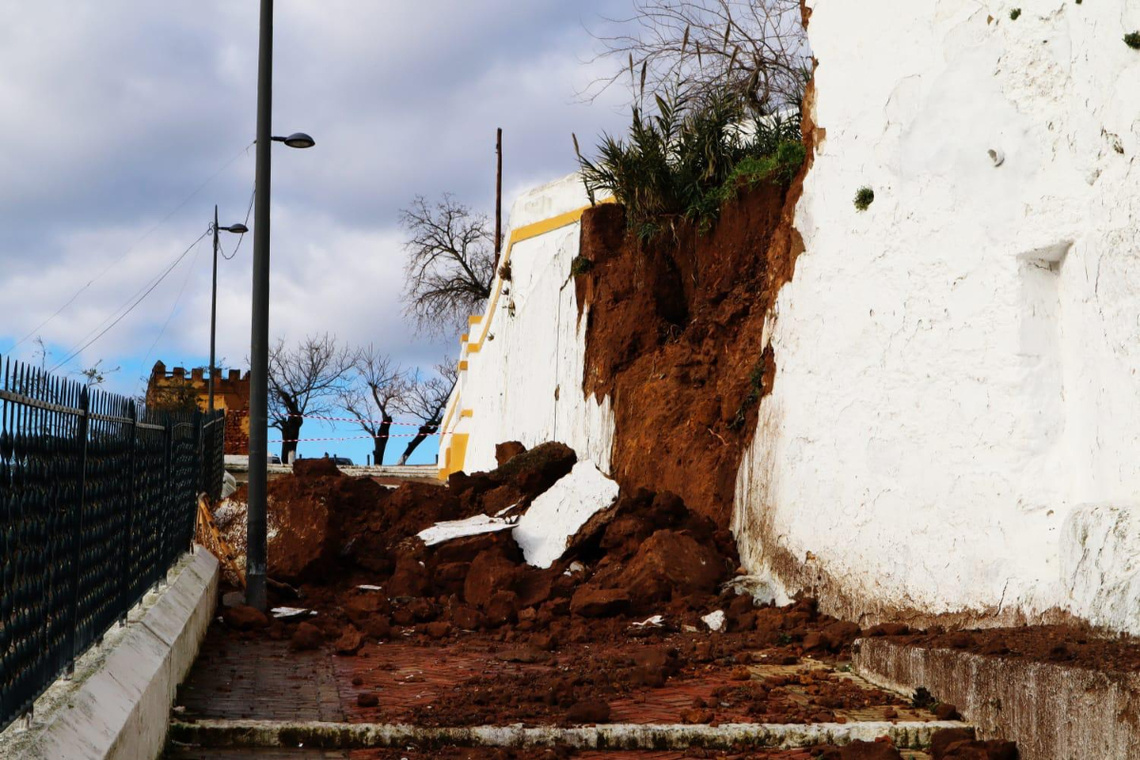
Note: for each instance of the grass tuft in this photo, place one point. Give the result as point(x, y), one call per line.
point(864, 197)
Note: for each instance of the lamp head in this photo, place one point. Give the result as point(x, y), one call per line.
point(238, 228)
point(297, 140)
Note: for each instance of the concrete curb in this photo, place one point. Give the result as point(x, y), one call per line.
point(119, 709)
point(254, 733)
point(1050, 710)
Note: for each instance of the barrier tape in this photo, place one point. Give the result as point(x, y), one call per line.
point(357, 437)
point(245, 412)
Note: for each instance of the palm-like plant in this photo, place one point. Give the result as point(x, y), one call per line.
point(685, 160)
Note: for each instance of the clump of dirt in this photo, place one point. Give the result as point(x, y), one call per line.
point(351, 545)
point(675, 337)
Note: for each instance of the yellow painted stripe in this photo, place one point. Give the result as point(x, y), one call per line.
point(525, 232)
point(463, 366)
point(467, 413)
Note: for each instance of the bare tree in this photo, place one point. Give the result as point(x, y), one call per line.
point(304, 381)
point(757, 48)
point(451, 263)
point(425, 400)
point(378, 385)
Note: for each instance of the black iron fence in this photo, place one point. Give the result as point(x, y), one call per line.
point(98, 498)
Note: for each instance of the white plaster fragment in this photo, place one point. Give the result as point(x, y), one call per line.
point(714, 620)
point(556, 515)
point(472, 526)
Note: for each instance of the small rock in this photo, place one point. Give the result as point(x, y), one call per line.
point(349, 642)
point(307, 636)
point(945, 711)
point(696, 716)
point(245, 618)
point(595, 603)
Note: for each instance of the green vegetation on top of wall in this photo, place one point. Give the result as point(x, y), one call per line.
point(684, 161)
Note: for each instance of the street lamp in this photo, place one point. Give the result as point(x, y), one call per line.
point(256, 537)
point(296, 140)
point(239, 229)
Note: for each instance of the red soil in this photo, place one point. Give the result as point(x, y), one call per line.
point(674, 336)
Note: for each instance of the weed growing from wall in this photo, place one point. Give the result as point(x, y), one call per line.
point(864, 197)
point(1132, 40)
point(1015, 14)
point(581, 265)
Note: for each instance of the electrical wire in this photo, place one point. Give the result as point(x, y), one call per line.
point(75, 352)
point(241, 237)
point(177, 300)
point(132, 247)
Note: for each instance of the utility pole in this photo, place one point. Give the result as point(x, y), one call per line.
point(213, 312)
point(255, 594)
point(498, 195)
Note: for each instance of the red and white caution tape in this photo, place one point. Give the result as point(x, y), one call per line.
point(356, 437)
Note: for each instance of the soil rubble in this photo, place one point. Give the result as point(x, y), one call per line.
point(628, 606)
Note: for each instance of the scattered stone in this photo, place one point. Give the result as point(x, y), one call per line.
point(505, 452)
point(594, 603)
point(349, 642)
point(945, 711)
point(306, 637)
point(244, 618)
point(714, 620)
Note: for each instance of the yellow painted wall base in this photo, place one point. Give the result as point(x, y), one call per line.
point(454, 456)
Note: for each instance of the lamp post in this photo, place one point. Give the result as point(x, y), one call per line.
point(256, 538)
point(239, 229)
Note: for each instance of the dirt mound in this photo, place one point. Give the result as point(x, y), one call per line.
point(675, 331)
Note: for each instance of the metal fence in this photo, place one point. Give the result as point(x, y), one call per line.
point(98, 498)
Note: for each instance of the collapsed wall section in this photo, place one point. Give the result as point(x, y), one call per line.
point(521, 364)
point(954, 426)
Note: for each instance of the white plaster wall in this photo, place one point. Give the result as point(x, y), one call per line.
point(525, 383)
point(957, 366)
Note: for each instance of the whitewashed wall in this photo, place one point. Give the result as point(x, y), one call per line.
point(955, 421)
point(524, 382)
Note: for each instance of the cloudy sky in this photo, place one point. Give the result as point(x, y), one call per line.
point(125, 121)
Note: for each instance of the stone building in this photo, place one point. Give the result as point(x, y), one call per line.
point(231, 394)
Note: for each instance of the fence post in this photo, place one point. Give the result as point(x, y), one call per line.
point(200, 468)
point(168, 495)
point(77, 526)
point(132, 501)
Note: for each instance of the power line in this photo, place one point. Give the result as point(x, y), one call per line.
point(177, 300)
point(131, 308)
point(246, 222)
point(132, 247)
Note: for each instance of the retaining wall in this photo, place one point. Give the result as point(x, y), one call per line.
point(1053, 712)
point(117, 705)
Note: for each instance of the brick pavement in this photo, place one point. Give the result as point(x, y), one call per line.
point(262, 680)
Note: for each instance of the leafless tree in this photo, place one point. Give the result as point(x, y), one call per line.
point(757, 48)
point(373, 395)
point(451, 263)
point(425, 400)
point(304, 381)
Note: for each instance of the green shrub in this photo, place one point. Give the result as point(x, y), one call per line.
point(864, 197)
point(1132, 40)
point(580, 265)
point(1015, 14)
point(687, 159)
